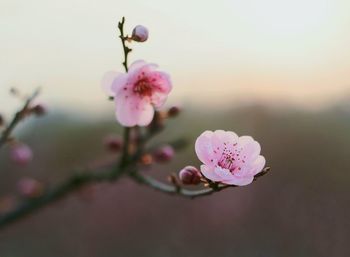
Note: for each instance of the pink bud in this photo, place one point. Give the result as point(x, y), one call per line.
point(190, 175)
point(164, 154)
point(21, 154)
point(29, 187)
point(140, 33)
point(113, 143)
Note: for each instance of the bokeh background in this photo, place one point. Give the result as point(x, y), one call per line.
point(276, 70)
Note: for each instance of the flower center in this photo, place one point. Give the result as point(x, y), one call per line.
point(227, 161)
point(143, 87)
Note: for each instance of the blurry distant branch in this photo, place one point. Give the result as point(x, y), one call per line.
point(107, 173)
point(17, 118)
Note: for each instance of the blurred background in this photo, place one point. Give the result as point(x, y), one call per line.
point(276, 70)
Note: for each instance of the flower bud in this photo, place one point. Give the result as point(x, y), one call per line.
point(190, 175)
point(113, 143)
point(146, 159)
point(139, 34)
point(39, 110)
point(173, 111)
point(21, 154)
point(164, 154)
point(29, 187)
point(1, 120)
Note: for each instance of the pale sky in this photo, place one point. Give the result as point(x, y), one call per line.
point(219, 53)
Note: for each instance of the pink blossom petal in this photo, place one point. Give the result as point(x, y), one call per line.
point(111, 82)
point(250, 147)
point(158, 99)
point(239, 181)
point(224, 174)
point(141, 64)
point(204, 148)
point(209, 173)
point(132, 111)
point(258, 165)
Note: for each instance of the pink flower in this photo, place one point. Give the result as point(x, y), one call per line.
point(21, 154)
point(137, 92)
point(227, 158)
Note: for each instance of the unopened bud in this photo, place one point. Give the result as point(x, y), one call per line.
point(29, 187)
point(113, 143)
point(1, 120)
point(39, 110)
point(21, 154)
point(146, 159)
point(139, 34)
point(164, 154)
point(173, 111)
point(190, 175)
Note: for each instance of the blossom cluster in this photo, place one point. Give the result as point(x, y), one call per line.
point(226, 158)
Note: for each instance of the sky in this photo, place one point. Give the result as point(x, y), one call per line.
point(219, 53)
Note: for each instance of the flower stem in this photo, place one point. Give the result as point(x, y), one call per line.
point(126, 50)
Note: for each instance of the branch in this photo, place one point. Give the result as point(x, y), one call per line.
point(124, 38)
point(177, 190)
point(127, 50)
point(6, 134)
point(70, 185)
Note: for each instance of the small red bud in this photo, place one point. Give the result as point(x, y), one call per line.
point(190, 175)
point(29, 187)
point(173, 111)
point(113, 143)
point(164, 154)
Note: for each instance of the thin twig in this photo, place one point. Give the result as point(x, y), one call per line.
point(127, 130)
point(173, 190)
point(18, 117)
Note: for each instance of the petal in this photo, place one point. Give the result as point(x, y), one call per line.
point(140, 64)
point(162, 81)
point(132, 110)
point(239, 181)
point(159, 99)
point(224, 174)
point(209, 173)
point(107, 82)
point(251, 148)
point(258, 165)
point(203, 147)
point(112, 81)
